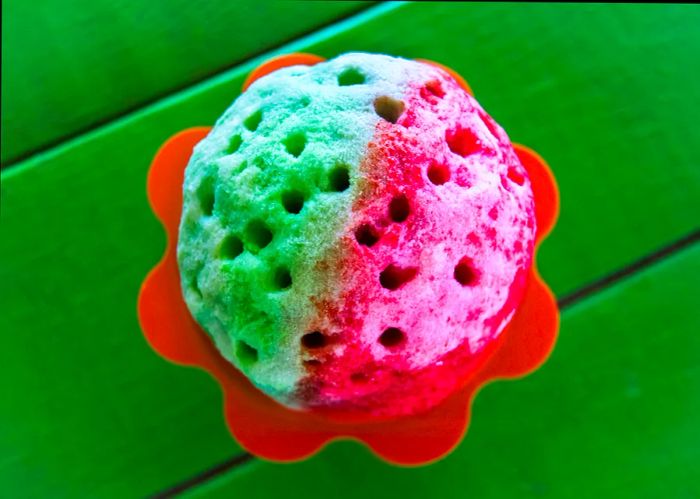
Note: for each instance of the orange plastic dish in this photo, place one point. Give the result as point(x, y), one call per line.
point(271, 431)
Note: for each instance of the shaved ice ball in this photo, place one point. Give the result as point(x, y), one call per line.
point(354, 234)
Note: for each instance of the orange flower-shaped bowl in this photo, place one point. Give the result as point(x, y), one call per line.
point(272, 431)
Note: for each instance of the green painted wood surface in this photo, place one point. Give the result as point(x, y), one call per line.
point(70, 65)
point(92, 411)
point(87, 408)
point(612, 414)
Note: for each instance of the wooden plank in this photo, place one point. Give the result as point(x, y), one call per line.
point(612, 414)
point(75, 221)
point(87, 408)
point(70, 66)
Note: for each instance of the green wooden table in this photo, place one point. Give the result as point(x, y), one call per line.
point(608, 94)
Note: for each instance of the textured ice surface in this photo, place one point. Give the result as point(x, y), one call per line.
point(353, 233)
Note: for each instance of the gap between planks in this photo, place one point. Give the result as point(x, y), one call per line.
point(205, 476)
point(564, 302)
